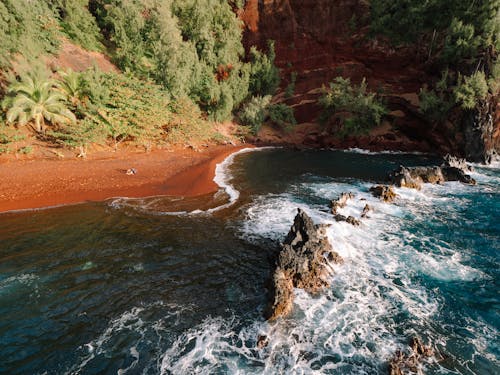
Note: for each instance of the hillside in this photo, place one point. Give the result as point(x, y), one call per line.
point(317, 41)
point(349, 73)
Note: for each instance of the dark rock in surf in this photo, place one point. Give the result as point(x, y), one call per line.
point(349, 219)
point(409, 362)
point(384, 192)
point(453, 161)
point(416, 176)
point(302, 263)
point(262, 341)
point(366, 209)
point(340, 202)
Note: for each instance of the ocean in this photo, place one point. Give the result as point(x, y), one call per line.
point(166, 285)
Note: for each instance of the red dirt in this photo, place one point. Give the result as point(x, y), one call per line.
point(43, 183)
point(74, 57)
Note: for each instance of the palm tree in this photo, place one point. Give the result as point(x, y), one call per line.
point(73, 86)
point(34, 101)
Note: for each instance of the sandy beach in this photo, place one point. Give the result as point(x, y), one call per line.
point(41, 183)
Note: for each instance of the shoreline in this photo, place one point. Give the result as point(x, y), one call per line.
point(44, 183)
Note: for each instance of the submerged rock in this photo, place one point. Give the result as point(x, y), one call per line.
point(405, 363)
point(340, 202)
point(384, 192)
point(302, 263)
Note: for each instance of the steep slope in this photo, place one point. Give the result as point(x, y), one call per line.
point(322, 39)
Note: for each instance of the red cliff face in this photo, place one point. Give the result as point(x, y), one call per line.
point(322, 39)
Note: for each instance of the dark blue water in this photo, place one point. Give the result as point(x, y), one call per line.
point(122, 287)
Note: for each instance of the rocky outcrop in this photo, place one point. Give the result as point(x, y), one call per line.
point(405, 363)
point(348, 219)
point(384, 192)
point(455, 162)
point(481, 132)
point(340, 202)
point(302, 263)
point(453, 169)
point(366, 209)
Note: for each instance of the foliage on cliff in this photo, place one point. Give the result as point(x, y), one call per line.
point(358, 109)
point(180, 55)
point(459, 38)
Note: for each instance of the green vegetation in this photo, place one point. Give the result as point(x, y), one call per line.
point(290, 89)
point(470, 90)
point(264, 76)
point(35, 99)
point(77, 23)
point(358, 109)
point(26, 150)
point(459, 37)
point(183, 63)
point(259, 110)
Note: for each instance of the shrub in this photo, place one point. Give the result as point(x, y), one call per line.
point(253, 113)
point(364, 109)
point(460, 42)
point(259, 109)
point(434, 105)
point(264, 75)
point(470, 90)
point(34, 99)
point(30, 29)
point(78, 24)
point(290, 89)
point(193, 48)
point(282, 115)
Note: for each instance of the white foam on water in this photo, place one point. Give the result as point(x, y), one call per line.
point(136, 328)
point(222, 178)
point(25, 281)
point(383, 152)
point(211, 347)
point(353, 320)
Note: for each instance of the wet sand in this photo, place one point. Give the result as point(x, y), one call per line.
point(42, 183)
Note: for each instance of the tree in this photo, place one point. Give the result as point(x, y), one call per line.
point(34, 100)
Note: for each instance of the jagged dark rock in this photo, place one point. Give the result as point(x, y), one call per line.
point(366, 209)
point(453, 161)
point(384, 192)
point(408, 363)
point(302, 263)
point(348, 219)
point(262, 341)
point(479, 129)
point(340, 202)
point(451, 170)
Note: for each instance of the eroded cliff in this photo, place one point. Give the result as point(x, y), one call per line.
point(319, 40)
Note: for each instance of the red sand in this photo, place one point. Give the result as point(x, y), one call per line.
point(43, 183)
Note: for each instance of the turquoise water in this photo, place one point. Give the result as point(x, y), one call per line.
point(142, 286)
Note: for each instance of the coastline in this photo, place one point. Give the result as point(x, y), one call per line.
point(43, 183)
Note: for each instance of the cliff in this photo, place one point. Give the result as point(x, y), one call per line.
point(320, 40)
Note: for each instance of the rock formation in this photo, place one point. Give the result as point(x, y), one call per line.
point(348, 219)
point(453, 161)
point(340, 202)
point(384, 192)
point(302, 263)
point(453, 169)
point(482, 132)
point(404, 363)
point(366, 209)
